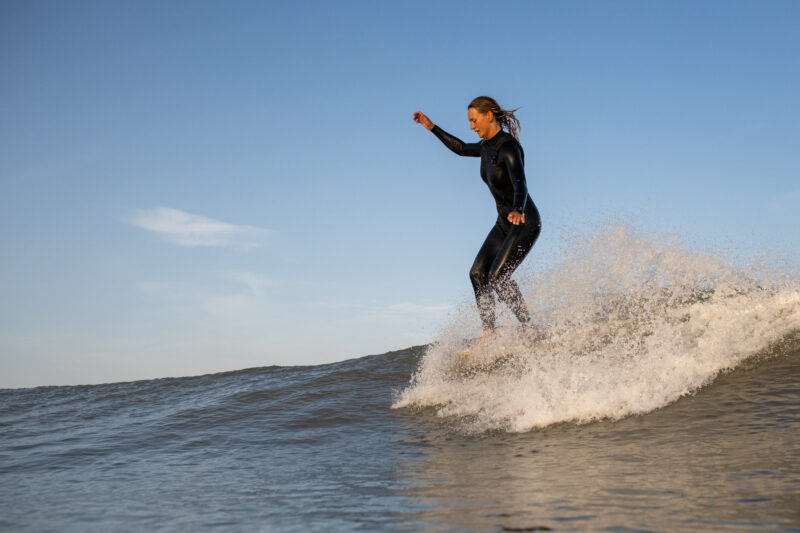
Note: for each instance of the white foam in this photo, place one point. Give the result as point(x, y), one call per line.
point(630, 323)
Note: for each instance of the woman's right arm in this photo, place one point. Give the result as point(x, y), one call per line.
point(454, 143)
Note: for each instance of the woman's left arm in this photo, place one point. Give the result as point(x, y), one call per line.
point(511, 157)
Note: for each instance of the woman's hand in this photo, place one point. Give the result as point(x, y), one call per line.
point(516, 218)
point(420, 118)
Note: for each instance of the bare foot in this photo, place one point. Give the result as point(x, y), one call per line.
point(480, 344)
point(483, 342)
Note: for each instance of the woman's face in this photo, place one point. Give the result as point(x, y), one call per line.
point(480, 123)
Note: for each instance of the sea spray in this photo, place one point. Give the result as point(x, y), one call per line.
point(625, 323)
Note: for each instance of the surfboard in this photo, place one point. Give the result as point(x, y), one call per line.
point(481, 356)
point(510, 350)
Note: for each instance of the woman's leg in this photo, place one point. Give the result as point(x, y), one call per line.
point(479, 275)
point(516, 245)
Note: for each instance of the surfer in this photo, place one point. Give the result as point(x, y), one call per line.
point(518, 223)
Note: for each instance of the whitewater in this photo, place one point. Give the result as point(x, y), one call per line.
point(625, 324)
point(658, 391)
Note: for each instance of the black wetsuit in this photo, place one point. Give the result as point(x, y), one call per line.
point(502, 169)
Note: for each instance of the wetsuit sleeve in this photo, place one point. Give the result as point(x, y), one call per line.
point(457, 145)
point(510, 157)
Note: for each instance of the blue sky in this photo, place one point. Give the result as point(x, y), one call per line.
point(190, 187)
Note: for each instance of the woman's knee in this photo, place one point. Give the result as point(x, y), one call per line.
point(478, 277)
point(499, 275)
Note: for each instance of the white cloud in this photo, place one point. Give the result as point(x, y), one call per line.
point(187, 229)
point(256, 282)
point(191, 302)
point(376, 311)
point(429, 311)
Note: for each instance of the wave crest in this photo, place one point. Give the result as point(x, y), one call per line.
point(627, 323)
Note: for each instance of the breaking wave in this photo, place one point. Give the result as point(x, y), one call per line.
point(625, 323)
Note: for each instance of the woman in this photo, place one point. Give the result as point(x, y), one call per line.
point(518, 223)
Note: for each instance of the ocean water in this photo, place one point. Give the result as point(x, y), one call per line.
point(660, 391)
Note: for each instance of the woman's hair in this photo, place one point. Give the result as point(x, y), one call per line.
point(506, 118)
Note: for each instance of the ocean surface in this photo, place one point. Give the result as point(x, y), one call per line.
point(659, 391)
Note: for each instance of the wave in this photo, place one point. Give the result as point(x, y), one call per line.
point(626, 323)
